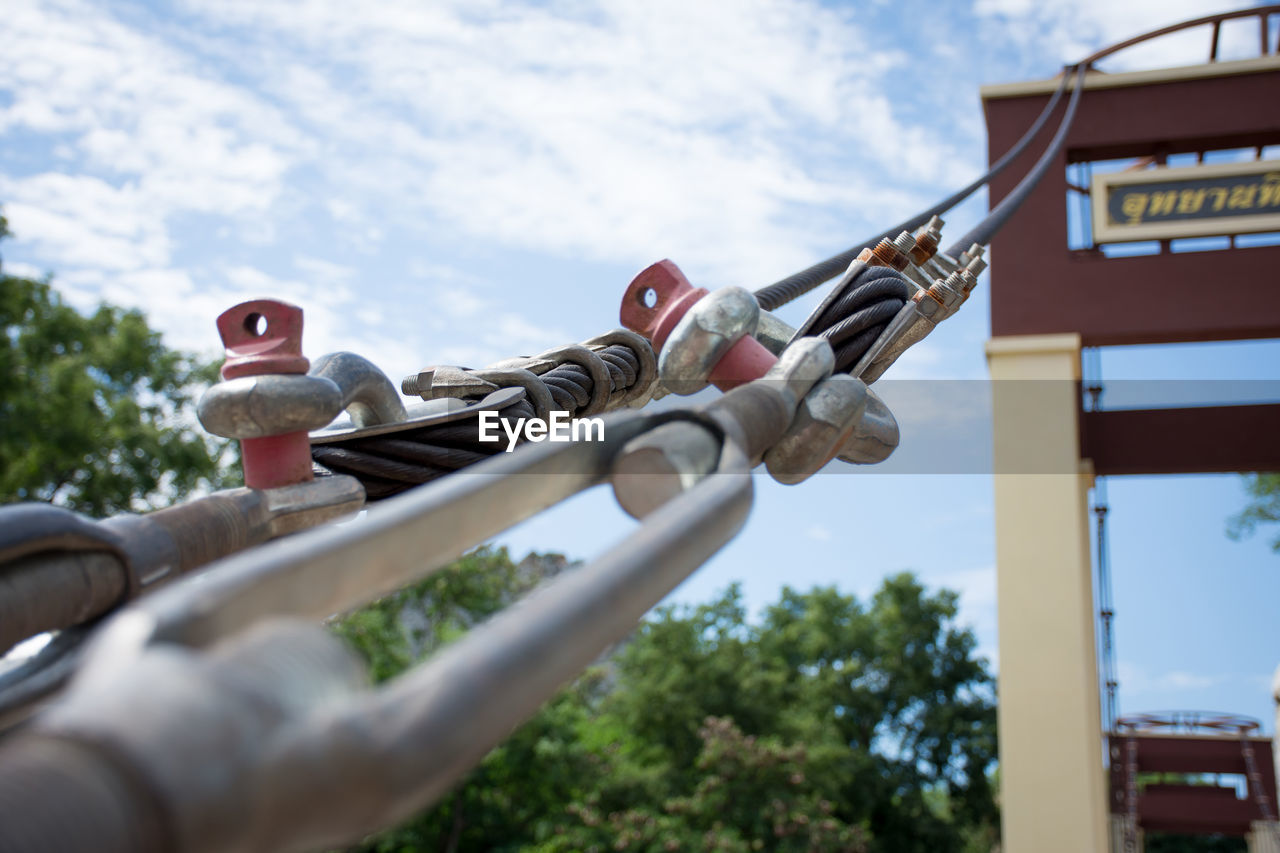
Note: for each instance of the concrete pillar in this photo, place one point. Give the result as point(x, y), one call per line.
point(1264, 837)
point(1052, 787)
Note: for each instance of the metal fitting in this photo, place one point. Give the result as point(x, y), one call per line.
point(646, 376)
point(974, 268)
point(893, 254)
point(258, 406)
point(875, 434)
point(535, 391)
point(926, 241)
point(654, 467)
point(923, 249)
point(432, 383)
point(601, 383)
point(367, 394)
point(825, 419)
point(244, 696)
point(905, 242)
point(658, 302)
point(971, 254)
point(264, 338)
point(949, 292)
point(804, 364)
point(703, 336)
point(940, 265)
point(912, 324)
point(917, 276)
point(62, 569)
point(773, 333)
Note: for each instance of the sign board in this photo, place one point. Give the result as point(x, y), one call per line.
point(1195, 201)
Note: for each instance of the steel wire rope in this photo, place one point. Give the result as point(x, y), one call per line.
point(796, 285)
point(856, 318)
point(1002, 212)
point(387, 465)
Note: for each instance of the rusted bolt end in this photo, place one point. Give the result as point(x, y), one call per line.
point(656, 300)
point(935, 292)
point(925, 248)
point(885, 254)
point(263, 336)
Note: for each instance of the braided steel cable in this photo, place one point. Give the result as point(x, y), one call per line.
point(389, 464)
point(570, 384)
point(794, 286)
point(854, 322)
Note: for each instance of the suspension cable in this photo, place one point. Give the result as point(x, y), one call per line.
point(794, 286)
point(995, 220)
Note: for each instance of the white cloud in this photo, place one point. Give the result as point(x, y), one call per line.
point(607, 131)
point(818, 533)
point(81, 220)
point(617, 131)
point(23, 270)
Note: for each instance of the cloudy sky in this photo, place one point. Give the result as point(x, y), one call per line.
point(457, 182)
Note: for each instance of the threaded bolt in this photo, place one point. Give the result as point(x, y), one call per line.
point(415, 383)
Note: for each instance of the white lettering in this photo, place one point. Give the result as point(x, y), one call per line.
point(513, 432)
point(587, 425)
point(489, 421)
point(559, 426)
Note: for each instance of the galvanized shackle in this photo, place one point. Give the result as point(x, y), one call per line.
point(701, 337)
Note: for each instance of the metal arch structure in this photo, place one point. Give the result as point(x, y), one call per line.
point(1050, 300)
point(1044, 288)
point(1194, 744)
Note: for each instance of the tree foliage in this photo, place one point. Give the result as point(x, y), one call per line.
point(826, 725)
point(1263, 508)
point(1159, 842)
point(91, 407)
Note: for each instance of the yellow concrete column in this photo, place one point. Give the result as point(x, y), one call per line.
point(1052, 788)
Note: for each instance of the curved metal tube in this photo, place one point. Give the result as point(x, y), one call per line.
point(300, 775)
point(416, 737)
point(314, 575)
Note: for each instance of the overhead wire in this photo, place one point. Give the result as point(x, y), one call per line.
point(1002, 212)
point(794, 286)
point(863, 304)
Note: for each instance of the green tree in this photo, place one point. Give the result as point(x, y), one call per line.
point(1161, 842)
point(749, 794)
point(92, 408)
point(888, 702)
point(1263, 507)
point(826, 726)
